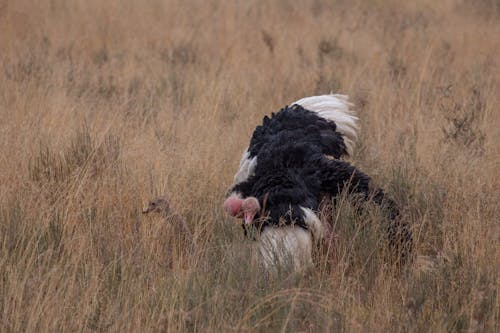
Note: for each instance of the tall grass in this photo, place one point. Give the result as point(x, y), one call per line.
point(104, 105)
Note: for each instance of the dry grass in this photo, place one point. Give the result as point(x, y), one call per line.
point(104, 105)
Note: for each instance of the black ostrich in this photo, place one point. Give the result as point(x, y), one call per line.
point(292, 162)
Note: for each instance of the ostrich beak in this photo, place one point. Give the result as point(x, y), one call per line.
point(148, 209)
point(249, 216)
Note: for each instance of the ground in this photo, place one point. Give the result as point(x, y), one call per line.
point(107, 104)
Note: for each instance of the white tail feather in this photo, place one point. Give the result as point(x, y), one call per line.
point(335, 108)
point(284, 246)
point(314, 224)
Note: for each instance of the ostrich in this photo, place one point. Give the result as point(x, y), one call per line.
point(161, 205)
point(294, 159)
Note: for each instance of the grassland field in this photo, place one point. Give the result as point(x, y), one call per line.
point(107, 104)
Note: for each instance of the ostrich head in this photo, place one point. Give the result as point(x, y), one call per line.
point(250, 208)
point(158, 205)
point(232, 205)
point(246, 208)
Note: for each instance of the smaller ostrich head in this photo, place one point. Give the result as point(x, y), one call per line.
point(158, 205)
point(250, 208)
point(242, 208)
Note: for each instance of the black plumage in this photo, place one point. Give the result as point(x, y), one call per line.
point(299, 126)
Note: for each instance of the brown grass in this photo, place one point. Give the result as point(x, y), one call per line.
point(105, 104)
